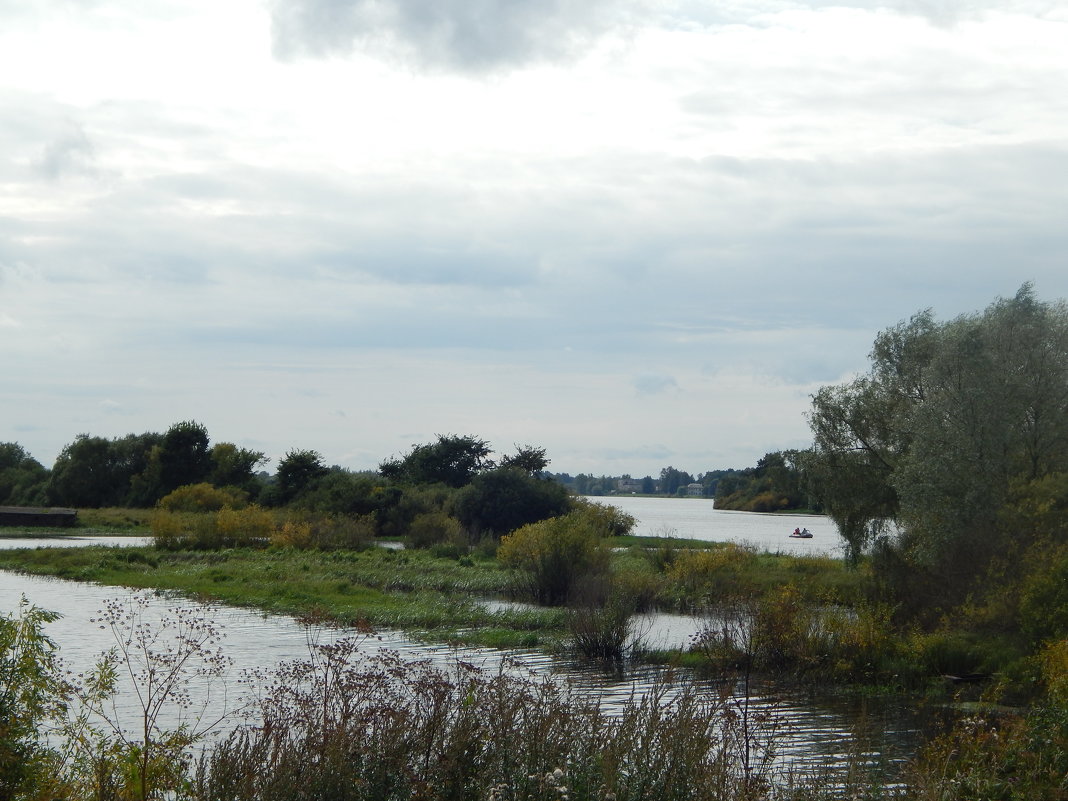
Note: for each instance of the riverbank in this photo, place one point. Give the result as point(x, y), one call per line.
point(431, 597)
point(438, 596)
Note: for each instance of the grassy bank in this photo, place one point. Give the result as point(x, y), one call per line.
point(434, 597)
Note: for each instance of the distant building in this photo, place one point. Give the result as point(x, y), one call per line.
point(695, 490)
point(629, 485)
point(32, 516)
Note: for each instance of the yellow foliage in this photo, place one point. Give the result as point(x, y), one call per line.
point(242, 526)
point(203, 497)
point(293, 535)
point(1054, 660)
point(702, 570)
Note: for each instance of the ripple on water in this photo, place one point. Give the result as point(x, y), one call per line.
point(811, 733)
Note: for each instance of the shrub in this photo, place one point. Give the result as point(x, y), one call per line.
point(599, 618)
point(226, 528)
point(550, 556)
point(203, 497)
point(433, 528)
point(326, 532)
point(1044, 597)
point(714, 573)
point(610, 520)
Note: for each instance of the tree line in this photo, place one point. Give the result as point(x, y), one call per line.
point(450, 481)
point(774, 484)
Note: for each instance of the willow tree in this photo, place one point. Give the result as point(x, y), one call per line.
point(948, 419)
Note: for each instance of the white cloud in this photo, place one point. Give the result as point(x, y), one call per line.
point(647, 238)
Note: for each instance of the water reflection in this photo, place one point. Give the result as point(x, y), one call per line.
point(811, 733)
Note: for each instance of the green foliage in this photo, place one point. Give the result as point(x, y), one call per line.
point(433, 528)
point(527, 458)
point(718, 573)
point(773, 485)
point(949, 419)
point(183, 456)
point(32, 700)
point(340, 492)
point(498, 501)
point(452, 460)
point(234, 467)
point(325, 532)
point(610, 520)
point(1044, 597)
point(297, 473)
point(408, 503)
point(1003, 756)
point(23, 480)
point(87, 473)
point(551, 556)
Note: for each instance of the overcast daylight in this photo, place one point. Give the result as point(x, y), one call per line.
point(637, 234)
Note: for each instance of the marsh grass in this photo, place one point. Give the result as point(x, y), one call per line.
point(346, 727)
point(435, 598)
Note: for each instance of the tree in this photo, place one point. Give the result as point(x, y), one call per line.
point(948, 418)
point(671, 479)
point(234, 466)
point(529, 459)
point(23, 480)
point(297, 472)
point(85, 474)
point(499, 501)
point(452, 460)
point(184, 457)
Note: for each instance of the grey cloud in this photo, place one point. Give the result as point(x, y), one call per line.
point(471, 36)
point(69, 153)
point(652, 384)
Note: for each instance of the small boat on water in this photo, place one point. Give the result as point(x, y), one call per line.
point(801, 534)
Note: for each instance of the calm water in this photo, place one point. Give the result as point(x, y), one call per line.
point(812, 734)
point(697, 519)
point(51, 540)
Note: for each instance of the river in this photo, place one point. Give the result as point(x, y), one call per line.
point(811, 733)
point(698, 519)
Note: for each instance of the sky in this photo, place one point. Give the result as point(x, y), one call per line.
point(637, 233)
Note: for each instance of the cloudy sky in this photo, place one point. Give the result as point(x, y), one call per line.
point(638, 233)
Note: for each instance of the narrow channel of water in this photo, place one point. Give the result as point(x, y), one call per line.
point(811, 734)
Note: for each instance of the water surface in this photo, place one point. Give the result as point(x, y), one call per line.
point(698, 519)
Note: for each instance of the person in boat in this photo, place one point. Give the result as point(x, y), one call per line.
point(797, 532)
point(806, 533)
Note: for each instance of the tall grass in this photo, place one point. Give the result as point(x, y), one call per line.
point(346, 727)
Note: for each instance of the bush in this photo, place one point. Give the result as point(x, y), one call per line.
point(549, 557)
point(203, 497)
point(611, 520)
point(326, 533)
point(226, 528)
point(1044, 597)
point(599, 618)
point(715, 573)
point(433, 528)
